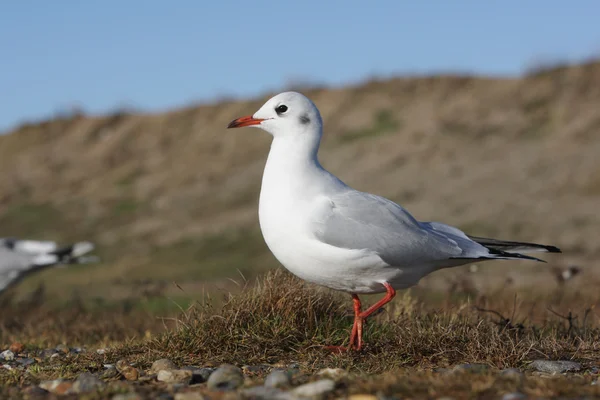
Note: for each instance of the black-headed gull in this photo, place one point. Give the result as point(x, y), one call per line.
point(20, 257)
point(327, 233)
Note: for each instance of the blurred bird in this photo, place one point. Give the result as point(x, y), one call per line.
point(565, 274)
point(19, 258)
point(327, 233)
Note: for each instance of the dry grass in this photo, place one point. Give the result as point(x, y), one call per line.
point(281, 320)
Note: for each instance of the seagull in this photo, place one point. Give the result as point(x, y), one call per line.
point(21, 257)
point(329, 234)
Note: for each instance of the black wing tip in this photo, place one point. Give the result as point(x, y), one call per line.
point(553, 249)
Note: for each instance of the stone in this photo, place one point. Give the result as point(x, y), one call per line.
point(265, 393)
point(514, 396)
point(57, 386)
point(7, 355)
point(61, 348)
point(174, 376)
point(189, 396)
point(130, 373)
point(87, 382)
point(163, 363)
point(109, 372)
point(333, 373)
point(16, 347)
point(127, 396)
point(555, 367)
point(314, 389)
point(226, 377)
point(25, 361)
point(277, 378)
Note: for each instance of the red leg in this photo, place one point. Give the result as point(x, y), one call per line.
point(359, 318)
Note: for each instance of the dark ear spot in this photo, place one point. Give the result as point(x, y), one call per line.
point(304, 119)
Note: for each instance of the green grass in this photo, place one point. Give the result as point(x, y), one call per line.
point(383, 123)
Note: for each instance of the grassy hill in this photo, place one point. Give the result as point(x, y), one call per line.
point(172, 197)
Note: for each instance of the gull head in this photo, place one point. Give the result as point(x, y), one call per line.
point(286, 114)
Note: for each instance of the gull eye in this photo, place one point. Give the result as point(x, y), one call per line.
point(281, 109)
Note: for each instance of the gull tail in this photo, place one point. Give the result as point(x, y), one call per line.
point(72, 254)
point(505, 249)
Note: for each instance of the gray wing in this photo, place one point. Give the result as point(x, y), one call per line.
point(12, 266)
point(357, 220)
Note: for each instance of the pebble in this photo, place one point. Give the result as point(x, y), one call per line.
point(514, 396)
point(7, 355)
point(163, 363)
point(314, 389)
point(61, 348)
point(109, 372)
point(130, 373)
point(226, 377)
point(333, 373)
point(127, 396)
point(277, 378)
point(555, 367)
point(101, 351)
point(57, 386)
point(87, 382)
point(266, 393)
point(6, 366)
point(47, 353)
point(25, 361)
point(189, 396)
point(16, 347)
point(174, 376)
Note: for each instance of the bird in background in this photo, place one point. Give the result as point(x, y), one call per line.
point(330, 234)
point(22, 257)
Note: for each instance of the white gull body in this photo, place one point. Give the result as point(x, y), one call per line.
point(327, 233)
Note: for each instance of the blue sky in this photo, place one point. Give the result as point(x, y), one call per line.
point(159, 55)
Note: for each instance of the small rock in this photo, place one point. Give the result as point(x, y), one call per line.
point(226, 377)
point(77, 350)
point(333, 373)
point(109, 372)
point(33, 392)
point(175, 376)
point(101, 351)
point(363, 397)
point(16, 347)
point(87, 382)
point(7, 355)
point(54, 357)
point(475, 368)
point(277, 378)
point(555, 367)
point(6, 366)
point(121, 364)
point(57, 386)
point(61, 348)
point(163, 363)
point(130, 373)
point(47, 353)
point(25, 361)
point(314, 389)
point(265, 393)
point(189, 396)
point(514, 396)
point(127, 396)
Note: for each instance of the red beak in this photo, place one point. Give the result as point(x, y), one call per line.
point(244, 121)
